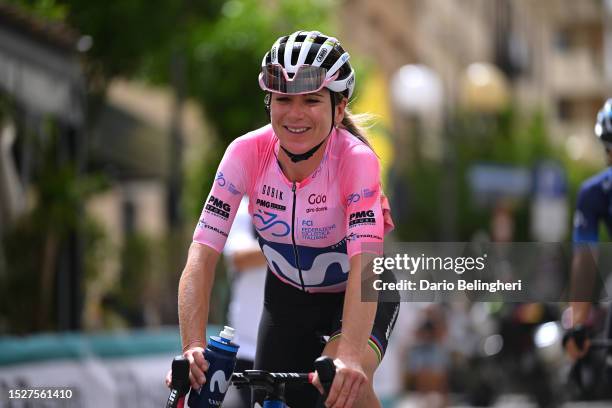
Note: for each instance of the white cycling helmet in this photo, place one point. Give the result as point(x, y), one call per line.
point(603, 125)
point(304, 62)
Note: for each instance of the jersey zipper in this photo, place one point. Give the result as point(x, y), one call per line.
point(295, 250)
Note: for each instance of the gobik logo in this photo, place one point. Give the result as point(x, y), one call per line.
point(218, 207)
point(362, 217)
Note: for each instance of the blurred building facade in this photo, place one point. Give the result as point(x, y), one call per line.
point(557, 54)
point(43, 99)
point(130, 144)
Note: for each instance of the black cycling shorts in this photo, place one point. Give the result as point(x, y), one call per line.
point(295, 326)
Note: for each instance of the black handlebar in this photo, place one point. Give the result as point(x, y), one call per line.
point(273, 383)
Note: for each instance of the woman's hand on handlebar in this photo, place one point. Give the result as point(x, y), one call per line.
point(347, 386)
point(197, 367)
point(576, 342)
point(574, 352)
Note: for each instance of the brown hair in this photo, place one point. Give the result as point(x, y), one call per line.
point(354, 123)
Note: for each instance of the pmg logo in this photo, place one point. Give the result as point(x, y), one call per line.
point(281, 228)
point(218, 207)
point(362, 217)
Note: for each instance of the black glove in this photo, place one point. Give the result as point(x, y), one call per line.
point(579, 333)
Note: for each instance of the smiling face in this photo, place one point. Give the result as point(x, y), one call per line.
point(303, 121)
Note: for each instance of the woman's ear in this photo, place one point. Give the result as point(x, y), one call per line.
point(340, 110)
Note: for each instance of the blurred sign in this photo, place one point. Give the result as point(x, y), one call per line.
point(490, 182)
point(549, 180)
point(43, 81)
point(549, 208)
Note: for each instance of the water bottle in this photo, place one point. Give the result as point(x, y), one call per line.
point(221, 356)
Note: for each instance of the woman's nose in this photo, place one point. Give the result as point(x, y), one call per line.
point(296, 109)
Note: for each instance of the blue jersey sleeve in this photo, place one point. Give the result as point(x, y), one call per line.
point(590, 209)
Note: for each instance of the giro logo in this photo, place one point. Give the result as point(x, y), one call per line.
point(220, 179)
point(273, 55)
point(317, 199)
point(218, 207)
point(219, 382)
point(365, 193)
point(353, 198)
point(271, 222)
point(322, 55)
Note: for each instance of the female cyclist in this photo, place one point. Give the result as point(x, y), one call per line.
point(316, 203)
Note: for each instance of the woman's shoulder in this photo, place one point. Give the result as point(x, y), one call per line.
point(254, 141)
point(349, 146)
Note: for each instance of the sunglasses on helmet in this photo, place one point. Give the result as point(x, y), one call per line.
point(307, 79)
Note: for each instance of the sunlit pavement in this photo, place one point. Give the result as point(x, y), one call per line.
point(505, 401)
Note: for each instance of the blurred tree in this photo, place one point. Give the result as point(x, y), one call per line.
point(207, 50)
point(33, 246)
point(508, 139)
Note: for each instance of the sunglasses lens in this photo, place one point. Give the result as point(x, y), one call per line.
point(307, 79)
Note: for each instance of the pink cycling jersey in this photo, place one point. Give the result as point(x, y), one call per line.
point(307, 230)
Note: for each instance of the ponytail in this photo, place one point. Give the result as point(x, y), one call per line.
point(356, 124)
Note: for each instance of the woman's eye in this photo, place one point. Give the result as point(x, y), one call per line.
point(312, 100)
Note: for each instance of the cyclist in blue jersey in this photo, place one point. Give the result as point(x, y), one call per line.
point(316, 203)
point(594, 206)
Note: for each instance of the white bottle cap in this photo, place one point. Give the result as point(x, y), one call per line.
point(227, 333)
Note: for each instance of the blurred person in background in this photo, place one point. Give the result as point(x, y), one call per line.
point(427, 364)
point(247, 268)
point(594, 206)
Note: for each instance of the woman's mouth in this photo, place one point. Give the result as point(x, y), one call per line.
point(296, 130)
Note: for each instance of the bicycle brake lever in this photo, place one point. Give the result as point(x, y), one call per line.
point(180, 382)
point(326, 369)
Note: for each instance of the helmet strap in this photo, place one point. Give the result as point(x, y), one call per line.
point(304, 156)
point(267, 104)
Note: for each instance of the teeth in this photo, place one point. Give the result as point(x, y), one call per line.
point(297, 130)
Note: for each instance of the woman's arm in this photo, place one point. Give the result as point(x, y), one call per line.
point(193, 306)
point(357, 316)
point(357, 321)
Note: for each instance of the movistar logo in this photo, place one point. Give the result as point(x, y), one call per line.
point(313, 276)
point(219, 381)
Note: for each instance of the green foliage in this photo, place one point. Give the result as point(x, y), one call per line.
point(46, 9)
point(227, 58)
point(33, 245)
point(507, 139)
